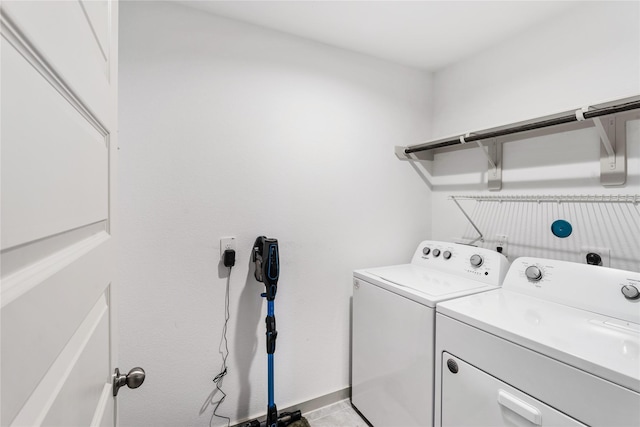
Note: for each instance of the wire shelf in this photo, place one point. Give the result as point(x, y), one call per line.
point(619, 198)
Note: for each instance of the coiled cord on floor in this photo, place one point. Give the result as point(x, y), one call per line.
point(223, 370)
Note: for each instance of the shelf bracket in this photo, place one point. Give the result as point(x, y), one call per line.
point(613, 152)
point(493, 152)
point(491, 161)
point(605, 138)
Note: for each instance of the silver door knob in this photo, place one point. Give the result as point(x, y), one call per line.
point(133, 379)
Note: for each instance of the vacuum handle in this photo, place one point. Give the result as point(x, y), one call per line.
point(267, 262)
point(273, 263)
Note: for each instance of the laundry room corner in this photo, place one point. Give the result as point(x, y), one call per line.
point(548, 72)
point(319, 213)
point(229, 129)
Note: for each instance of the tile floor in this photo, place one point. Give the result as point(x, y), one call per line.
point(339, 414)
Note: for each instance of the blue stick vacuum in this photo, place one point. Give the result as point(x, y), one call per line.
point(266, 258)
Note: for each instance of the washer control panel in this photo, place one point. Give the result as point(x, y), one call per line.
point(608, 291)
point(472, 262)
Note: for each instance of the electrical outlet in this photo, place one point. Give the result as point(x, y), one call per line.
point(501, 242)
point(603, 253)
point(227, 243)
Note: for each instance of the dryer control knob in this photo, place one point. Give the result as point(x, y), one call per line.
point(630, 292)
point(533, 273)
point(436, 253)
point(476, 260)
point(446, 254)
point(426, 250)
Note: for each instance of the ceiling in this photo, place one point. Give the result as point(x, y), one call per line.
point(423, 34)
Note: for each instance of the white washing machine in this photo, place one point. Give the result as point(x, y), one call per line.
point(394, 323)
point(558, 344)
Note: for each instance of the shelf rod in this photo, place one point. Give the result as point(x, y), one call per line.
point(524, 128)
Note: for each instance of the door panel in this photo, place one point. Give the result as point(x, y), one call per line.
point(97, 12)
point(104, 415)
point(59, 138)
point(64, 167)
point(84, 384)
point(73, 369)
point(38, 324)
point(61, 33)
point(19, 257)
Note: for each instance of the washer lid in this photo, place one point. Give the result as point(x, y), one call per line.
point(420, 284)
point(601, 345)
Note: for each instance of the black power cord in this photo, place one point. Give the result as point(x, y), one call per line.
point(229, 260)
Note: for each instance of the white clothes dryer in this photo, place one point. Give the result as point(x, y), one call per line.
point(394, 324)
point(558, 344)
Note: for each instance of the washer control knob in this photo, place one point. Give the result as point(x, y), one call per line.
point(436, 253)
point(426, 250)
point(630, 292)
point(476, 260)
point(533, 273)
point(446, 254)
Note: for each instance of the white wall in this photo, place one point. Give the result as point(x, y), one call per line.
point(588, 56)
point(230, 129)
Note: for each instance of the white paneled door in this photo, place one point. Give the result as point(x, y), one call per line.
point(58, 151)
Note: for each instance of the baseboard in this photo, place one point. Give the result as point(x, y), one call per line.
point(310, 405)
